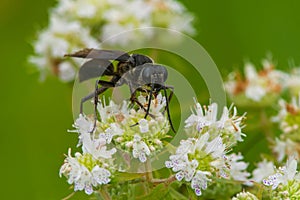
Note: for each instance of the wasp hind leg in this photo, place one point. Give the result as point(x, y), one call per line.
point(168, 99)
point(105, 86)
point(171, 88)
point(95, 94)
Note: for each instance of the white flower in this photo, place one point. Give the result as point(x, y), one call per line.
point(264, 169)
point(186, 146)
point(158, 104)
point(285, 149)
point(215, 147)
point(111, 131)
point(183, 24)
point(140, 149)
point(144, 127)
point(188, 171)
point(77, 170)
point(200, 143)
point(177, 162)
point(41, 64)
point(66, 71)
point(115, 33)
point(289, 170)
point(101, 175)
point(282, 113)
point(56, 40)
point(280, 149)
point(201, 119)
point(83, 125)
point(106, 111)
point(256, 85)
point(250, 72)
point(86, 10)
point(238, 168)
point(199, 182)
point(277, 76)
point(230, 124)
point(196, 158)
point(96, 147)
point(283, 174)
point(255, 92)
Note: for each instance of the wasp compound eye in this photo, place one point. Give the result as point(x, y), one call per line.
point(156, 74)
point(147, 73)
point(162, 70)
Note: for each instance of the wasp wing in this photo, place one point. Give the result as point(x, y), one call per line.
point(101, 54)
point(95, 68)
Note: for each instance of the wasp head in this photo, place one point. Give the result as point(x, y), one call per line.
point(154, 74)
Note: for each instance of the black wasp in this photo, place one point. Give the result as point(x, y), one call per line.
point(137, 71)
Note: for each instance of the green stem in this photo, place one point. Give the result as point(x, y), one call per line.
point(149, 175)
point(166, 181)
point(104, 194)
point(69, 196)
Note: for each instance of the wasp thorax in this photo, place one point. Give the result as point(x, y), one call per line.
point(141, 59)
point(156, 74)
point(124, 68)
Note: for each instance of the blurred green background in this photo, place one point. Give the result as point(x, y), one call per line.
point(35, 116)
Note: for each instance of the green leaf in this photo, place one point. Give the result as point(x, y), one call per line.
point(176, 195)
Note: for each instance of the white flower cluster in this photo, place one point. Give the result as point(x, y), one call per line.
point(95, 165)
point(195, 160)
point(144, 139)
point(204, 154)
point(77, 24)
point(61, 36)
point(284, 175)
point(117, 126)
point(229, 126)
point(85, 172)
point(261, 86)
